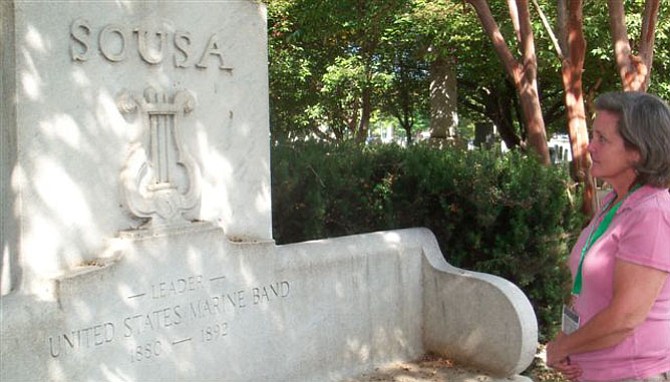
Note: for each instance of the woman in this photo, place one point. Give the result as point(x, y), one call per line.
point(617, 326)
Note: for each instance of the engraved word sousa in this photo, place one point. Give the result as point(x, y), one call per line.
point(114, 42)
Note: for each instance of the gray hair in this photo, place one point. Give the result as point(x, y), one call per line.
point(644, 125)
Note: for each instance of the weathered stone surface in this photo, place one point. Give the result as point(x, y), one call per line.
point(194, 306)
point(79, 132)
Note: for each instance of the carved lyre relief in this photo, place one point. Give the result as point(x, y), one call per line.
point(164, 183)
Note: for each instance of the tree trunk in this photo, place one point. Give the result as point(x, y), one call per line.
point(443, 93)
point(499, 106)
point(366, 113)
point(524, 73)
point(634, 71)
point(527, 86)
point(572, 40)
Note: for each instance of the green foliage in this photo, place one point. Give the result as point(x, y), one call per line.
point(330, 58)
point(501, 214)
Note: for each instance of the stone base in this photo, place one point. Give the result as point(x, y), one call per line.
point(195, 306)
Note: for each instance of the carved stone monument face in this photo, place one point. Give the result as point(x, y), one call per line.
point(131, 115)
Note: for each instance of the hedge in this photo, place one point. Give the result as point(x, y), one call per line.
point(503, 214)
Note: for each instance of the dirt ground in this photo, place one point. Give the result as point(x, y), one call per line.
point(431, 368)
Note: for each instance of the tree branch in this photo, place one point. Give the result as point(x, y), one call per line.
point(550, 31)
point(514, 15)
point(490, 26)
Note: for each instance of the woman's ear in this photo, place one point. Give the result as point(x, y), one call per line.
point(634, 157)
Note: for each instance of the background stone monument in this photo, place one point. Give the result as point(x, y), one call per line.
point(136, 219)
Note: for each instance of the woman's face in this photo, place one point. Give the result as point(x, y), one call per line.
point(612, 162)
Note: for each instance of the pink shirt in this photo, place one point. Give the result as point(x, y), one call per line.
point(640, 234)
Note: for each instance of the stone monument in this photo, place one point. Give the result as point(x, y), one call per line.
point(136, 219)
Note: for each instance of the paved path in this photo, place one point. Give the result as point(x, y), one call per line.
point(429, 369)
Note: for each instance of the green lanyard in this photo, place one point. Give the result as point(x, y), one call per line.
point(595, 235)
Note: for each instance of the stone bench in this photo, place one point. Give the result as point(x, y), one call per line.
point(194, 306)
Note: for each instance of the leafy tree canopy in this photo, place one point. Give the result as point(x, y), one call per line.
point(338, 65)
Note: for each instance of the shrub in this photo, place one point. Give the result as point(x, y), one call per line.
point(502, 214)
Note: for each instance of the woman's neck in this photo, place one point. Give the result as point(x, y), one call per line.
point(623, 189)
